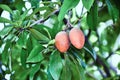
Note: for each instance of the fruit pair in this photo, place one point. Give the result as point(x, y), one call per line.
point(76, 37)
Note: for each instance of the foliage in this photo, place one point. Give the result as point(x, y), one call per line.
point(27, 49)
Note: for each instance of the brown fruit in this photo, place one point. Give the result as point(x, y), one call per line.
point(62, 41)
point(77, 38)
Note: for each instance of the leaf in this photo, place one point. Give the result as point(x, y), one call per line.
point(82, 63)
point(67, 5)
point(35, 55)
point(74, 68)
point(4, 20)
point(35, 3)
point(87, 4)
point(92, 17)
point(90, 50)
point(6, 8)
point(43, 29)
point(55, 65)
point(113, 11)
point(34, 70)
point(29, 44)
point(5, 53)
point(119, 65)
point(36, 10)
point(23, 16)
point(5, 30)
point(23, 74)
point(66, 72)
point(19, 4)
point(23, 57)
point(49, 75)
point(39, 36)
point(22, 39)
point(78, 56)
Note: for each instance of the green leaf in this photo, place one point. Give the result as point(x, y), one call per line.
point(23, 16)
point(78, 56)
point(119, 65)
point(23, 57)
point(43, 29)
point(4, 20)
point(66, 72)
point(5, 30)
point(55, 65)
point(5, 53)
point(23, 74)
point(92, 17)
point(67, 5)
point(49, 75)
point(36, 10)
point(35, 3)
point(15, 17)
point(6, 8)
point(22, 39)
point(82, 63)
point(87, 4)
point(30, 43)
point(90, 50)
point(34, 70)
point(113, 11)
point(74, 68)
point(19, 4)
point(35, 55)
point(39, 36)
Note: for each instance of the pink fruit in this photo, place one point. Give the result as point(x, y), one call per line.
point(77, 38)
point(62, 41)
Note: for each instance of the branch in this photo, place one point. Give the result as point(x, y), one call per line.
point(109, 55)
point(43, 20)
point(103, 75)
point(99, 61)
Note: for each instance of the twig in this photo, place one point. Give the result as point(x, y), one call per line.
point(43, 20)
point(82, 11)
point(103, 75)
point(99, 61)
point(109, 55)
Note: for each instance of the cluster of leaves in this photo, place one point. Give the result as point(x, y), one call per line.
point(27, 45)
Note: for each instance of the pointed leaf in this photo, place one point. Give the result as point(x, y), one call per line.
point(67, 5)
point(39, 36)
point(74, 69)
point(4, 20)
point(87, 4)
point(6, 8)
point(55, 65)
point(49, 75)
point(92, 17)
point(113, 11)
point(5, 53)
point(66, 72)
point(5, 31)
point(35, 55)
point(23, 57)
point(22, 39)
point(23, 16)
point(90, 50)
point(82, 63)
point(34, 70)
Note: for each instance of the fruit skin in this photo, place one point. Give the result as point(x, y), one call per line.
point(62, 41)
point(77, 38)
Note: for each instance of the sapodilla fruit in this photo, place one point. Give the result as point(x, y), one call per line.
point(77, 38)
point(62, 41)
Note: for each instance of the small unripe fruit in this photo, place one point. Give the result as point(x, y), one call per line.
point(62, 41)
point(77, 38)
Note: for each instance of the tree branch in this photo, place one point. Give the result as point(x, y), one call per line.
point(43, 20)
